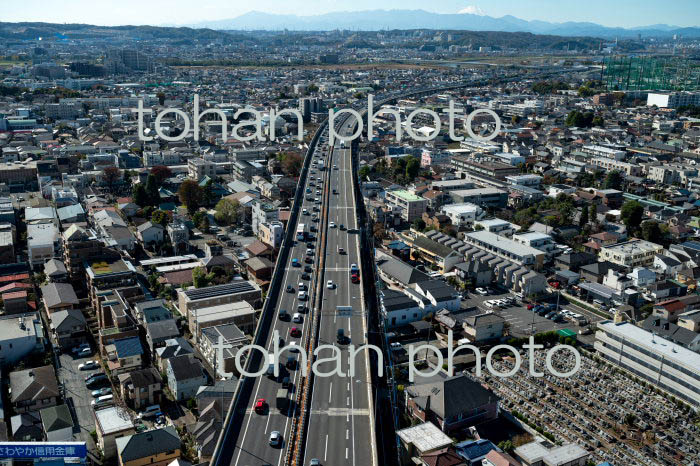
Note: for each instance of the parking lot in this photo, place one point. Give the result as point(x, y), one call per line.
point(523, 322)
point(77, 396)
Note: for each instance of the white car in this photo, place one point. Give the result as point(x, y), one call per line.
point(330, 284)
point(88, 365)
point(490, 304)
point(302, 296)
point(296, 318)
point(481, 291)
point(331, 225)
point(302, 287)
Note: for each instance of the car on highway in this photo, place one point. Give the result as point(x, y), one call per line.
point(302, 309)
point(315, 462)
point(335, 191)
point(308, 260)
point(297, 318)
point(331, 225)
point(295, 332)
point(305, 276)
point(354, 268)
point(295, 262)
point(88, 365)
point(355, 278)
point(283, 314)
point(302, 296)
point(308, 269)
point(305, 212)
point(335, 167)
point(260, 406)
point(101, 392)
point(342, 227)
point(341, 250)
point(302, 287)
point(481, 291)
point(309, 252)
point(286, 382)
point(290, 289)
point(330, 285)
point(275, 439)
point(294, 347)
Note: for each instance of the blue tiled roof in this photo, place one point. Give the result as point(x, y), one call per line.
point(127, 347)
point(475, 449)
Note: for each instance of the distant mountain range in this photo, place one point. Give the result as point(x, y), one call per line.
point(374, 20)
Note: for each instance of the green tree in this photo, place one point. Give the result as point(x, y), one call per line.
point(598, 121)
point(583, 218)
point(208, 193)
point(613, 180)
point(190, 194)
point(160, 217)
point(228, 212)
point(364, 172)
point(412, 168)
point(651, 231)
point(152, 193)
point(162, 173)
point(139, 195)
point(419, 224)
point(631, 214)
point(111, 175)
point(593, 213)
point(200, 277)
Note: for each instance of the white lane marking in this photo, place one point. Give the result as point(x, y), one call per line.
point(330, 393)
point(325, 453)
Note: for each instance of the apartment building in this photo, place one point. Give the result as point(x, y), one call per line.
point(506, 248)
point(497, 170)
point(408, 205)
point(632, 253)
point(483, 197)
point(673, 99)
point(199, 168)
point(463, 214)
point(537, 240)
point(605, 152)
point(629, 169)
point(671, 174)
point(661, 362)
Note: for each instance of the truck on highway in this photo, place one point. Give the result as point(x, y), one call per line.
point(271, 363)
point(301, 233)
point(321, 165)
point(282, 399)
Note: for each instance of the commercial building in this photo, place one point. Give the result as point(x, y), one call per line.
point(673, 99)
point(216, 295)
point(496, 170)
point(408, 205)
point(659, 361)
point(240, 313)
point(633, 253)
point(483, 197)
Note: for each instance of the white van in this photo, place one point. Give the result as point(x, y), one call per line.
point(102, 401)
point(149, 411)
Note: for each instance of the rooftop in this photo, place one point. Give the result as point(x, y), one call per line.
point(406, 195)
point(425, 437)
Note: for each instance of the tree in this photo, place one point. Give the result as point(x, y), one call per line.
point(161, 97)
point(579, 119)
point(208, 193)
point(378, 231)
point(593, 213)
point(228, 211)
point(364, 172)
point(190, 194)
point(419, 224)
point(111, 175)
point(631, 214)
point(200, 278)
point(583, 218)
point(128, 174)
point(598, 121)
point(160, 217)
point(651, 231)
point(291, 163)
point(152, 194)
point(412, 168)
point(139, 195)
point(613, 180)
point(162, 173)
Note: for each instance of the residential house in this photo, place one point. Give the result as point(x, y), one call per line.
point(451, 403)
point(68, 327)
point(141, 388)
point(58, 296)
point(58, 423)
point(173, 347)
point(33, 389)
point(185, 375)
point(111, 423)
point(124, 355)
point(157, 447)
point(20, 336)
point(150, 233)
point(26, 427)
point(230, 335)
point(55, 271)
point(482, 328)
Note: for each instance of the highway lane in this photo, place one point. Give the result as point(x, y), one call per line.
point(252, 446)
point(340, 430)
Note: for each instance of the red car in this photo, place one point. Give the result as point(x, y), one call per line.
point(295, 332)
point(355, 278)
point(530, 306)
point(260, 406)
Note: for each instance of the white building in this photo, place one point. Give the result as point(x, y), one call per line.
point(633, 253)
point(408, 205)
point(463, 215)
point(263, 212)
point(537, 240)
point(673, 99)
point(20, 335)
point(666, 365)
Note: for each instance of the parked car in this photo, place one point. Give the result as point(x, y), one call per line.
point(481, 291)
point(80, 348)
point(89, 365)
point(101, 392)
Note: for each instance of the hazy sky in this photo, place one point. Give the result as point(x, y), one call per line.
point(624, 13)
